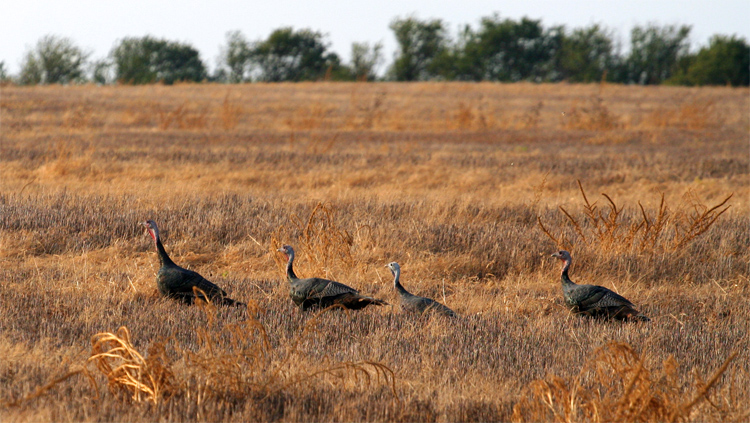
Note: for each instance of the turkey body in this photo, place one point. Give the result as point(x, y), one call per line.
point(182, 284)
point(176, 282)
point(594, 300)
point(321, 293)
point(414, 303)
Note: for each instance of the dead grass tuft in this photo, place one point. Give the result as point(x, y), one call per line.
point(187, 115)
point(79, 117)
point(694, 114)
point(596, 116)
point(464, 116)
point(694, 220)
point(316, 116)
point(366, 111)
point(532, 117)
point(607, 229)
point(127, 370)
point(326, 247)
point(616, 385)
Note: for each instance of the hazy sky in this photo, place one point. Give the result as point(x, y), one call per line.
point(95, 25)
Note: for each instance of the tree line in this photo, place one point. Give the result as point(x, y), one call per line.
point(497, 49)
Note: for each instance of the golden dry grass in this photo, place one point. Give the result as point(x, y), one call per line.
point(469, 186)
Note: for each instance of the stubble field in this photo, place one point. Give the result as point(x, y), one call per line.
point(470, 187)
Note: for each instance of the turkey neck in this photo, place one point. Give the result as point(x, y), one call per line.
point(564, 278)
point(397, 283)
point(163, 256)
point(289, 270)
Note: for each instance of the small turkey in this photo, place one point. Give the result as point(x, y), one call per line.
point(414, 303)
point(594, 300)
point(322, 293)
point(175, 282)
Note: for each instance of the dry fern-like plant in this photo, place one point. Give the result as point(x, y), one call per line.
point(616, 385)
point(126, 369)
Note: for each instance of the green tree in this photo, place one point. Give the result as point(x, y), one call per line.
point(54, 60)
point(462, 59)
point(4, 77)
point(235, 58)
point(365, 60)
point(725, 61)
point(421, 44)
point(507, 50)
point(586, 54)
point(655, 53)
point(101, 72)
point(147, 60)
point(289, 55)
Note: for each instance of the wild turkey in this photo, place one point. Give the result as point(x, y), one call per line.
point(175, 282)
point(414, 303)
point(594, 300)
point(316, 292)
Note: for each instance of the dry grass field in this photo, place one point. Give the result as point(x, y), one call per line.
point(470, 187)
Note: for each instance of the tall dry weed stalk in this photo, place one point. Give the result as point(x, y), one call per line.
point(78, 118)
point(184, 116)
point(606, 228)
point(366, 113)
point(464, 116)
point(468, 117)
point(616, 385)
point(320, 143)
point(326, 247)
point(595, 116)
point(531, 118)
point(229, 114)
point(315, 117)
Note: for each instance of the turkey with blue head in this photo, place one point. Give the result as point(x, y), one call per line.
point(322, 293)
point(182, 284)
point(594, 300)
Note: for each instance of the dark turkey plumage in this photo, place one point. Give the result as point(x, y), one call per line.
point(414, 303)
point(175, 282)
point(594, 300)
point(322, 293)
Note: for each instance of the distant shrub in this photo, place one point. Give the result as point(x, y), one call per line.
point(54, 60)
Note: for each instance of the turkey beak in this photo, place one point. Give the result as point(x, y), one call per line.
point(281, 250)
